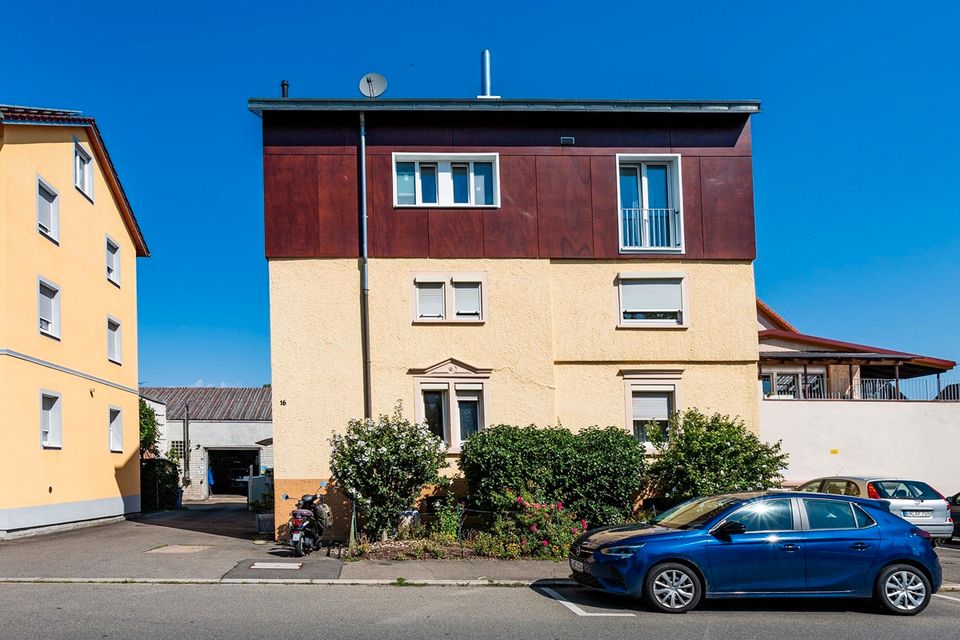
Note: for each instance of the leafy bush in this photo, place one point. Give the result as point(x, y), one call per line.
point(383, 465)
point(597, 472)
point(540, 529)
point(449, 520)
point(149, 430)
point(703, 455)
point(159, 484)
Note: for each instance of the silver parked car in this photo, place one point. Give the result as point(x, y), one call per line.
point(916, 502)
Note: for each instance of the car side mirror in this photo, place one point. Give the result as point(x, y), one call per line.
point(729, 528)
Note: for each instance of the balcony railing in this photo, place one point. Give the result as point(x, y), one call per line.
point(650, 229)
point(869, 389)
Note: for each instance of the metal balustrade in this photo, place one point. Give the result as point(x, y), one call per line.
point(650, 228)
point(914, 389)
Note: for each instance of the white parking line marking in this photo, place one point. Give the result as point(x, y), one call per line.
point(580, 612)
point(937, 595)
point(276, 565)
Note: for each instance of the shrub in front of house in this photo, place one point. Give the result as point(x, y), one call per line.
point(531, 527)
point(597, 472)
point(704, 455)
point(383, 465)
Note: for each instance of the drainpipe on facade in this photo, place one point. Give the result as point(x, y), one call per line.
point(364, 274)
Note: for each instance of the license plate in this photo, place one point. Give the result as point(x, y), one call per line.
point(296, 536)
point(576, 565)
point(917, 514)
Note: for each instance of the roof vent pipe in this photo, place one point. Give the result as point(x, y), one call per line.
point(485, 92)
point(284, 86)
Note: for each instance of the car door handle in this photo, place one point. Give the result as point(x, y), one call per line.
point(791, 547)
point(860, 546)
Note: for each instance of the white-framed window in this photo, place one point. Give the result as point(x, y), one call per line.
point(48, 308)
point(115, 426)
point(449, 297)
point(48, 210)
point(650, 398)
point(446, 180)
point(113, 262)
point(451, 399)
point(652, 300)
point(82, 169)
point(50, 420)
point(650, 203)
point(790, 382)
point(113, 340)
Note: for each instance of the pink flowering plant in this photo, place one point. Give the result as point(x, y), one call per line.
point(533, 527)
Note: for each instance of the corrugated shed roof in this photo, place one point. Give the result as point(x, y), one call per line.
point(214, 403)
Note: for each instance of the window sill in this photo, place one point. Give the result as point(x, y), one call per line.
point(116, 450)
point(116, 362)
point(654, 325)
point(51, 447)
point(426, 321)
point(49, 237)
point(643, 250)
point(115, 283)
point(84, 194)
point(446, 206)
point(52, 336)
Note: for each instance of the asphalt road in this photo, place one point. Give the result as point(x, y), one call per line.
point(254, 612)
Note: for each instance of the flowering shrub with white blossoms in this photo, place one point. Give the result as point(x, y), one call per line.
point(383, 465)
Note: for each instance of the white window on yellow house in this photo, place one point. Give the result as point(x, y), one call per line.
point(651, 409)
point(48, 210)
point(116, 430)
point(50, 420)
point(453, 411)
point(449, 297)
point(82, 170)
point(48, 308)
point(652, 300)
point(113, 341)
point(113, 262)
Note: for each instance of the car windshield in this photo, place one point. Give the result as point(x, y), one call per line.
point(695, 513)
point(905, 490)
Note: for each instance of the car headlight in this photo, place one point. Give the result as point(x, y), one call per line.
point(622, 550)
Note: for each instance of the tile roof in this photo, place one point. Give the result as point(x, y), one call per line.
point(241, 404)
point(20, 115)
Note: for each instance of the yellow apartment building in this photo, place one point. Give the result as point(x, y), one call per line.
point(69, 245)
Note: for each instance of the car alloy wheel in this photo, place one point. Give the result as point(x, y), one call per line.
point(673, 588)
point(903, 590)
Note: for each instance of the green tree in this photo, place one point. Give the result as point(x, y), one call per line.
point(149, 430)
point(383, 465)
point(700, 455)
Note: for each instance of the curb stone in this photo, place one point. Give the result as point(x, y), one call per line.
point(295, 581)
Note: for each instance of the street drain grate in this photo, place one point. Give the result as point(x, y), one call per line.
point(179, 548)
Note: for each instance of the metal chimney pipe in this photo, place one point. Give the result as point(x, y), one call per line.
point(284, 87)
point(485, 74)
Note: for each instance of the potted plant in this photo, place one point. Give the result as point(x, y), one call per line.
point(263, 508)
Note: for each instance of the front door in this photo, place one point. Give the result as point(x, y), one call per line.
point(767, 558)
point(842, 543)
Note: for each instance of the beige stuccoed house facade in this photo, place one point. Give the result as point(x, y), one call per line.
point(546, 303)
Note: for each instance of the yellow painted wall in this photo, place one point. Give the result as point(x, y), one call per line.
point(550, 338)
point(83, 469)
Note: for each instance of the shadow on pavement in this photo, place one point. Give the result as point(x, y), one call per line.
point(597, 602)
point(228, 519)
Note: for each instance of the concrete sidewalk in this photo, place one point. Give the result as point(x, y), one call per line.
point(521, 571)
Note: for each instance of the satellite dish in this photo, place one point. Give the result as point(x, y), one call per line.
point(373, 85)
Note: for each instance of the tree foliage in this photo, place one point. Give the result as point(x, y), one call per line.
point(149, 430)
point(383, 465)
point(702, 455)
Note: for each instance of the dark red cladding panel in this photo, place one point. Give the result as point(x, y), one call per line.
point(291, 206)
point(692, 207)
point(511, 230)
point(728, 228)
point(606, 222)
point(565, 220)
point(339, 222)
point(455, 233)
point(394, 233)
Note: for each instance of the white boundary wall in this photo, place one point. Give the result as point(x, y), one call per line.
point(917, 440)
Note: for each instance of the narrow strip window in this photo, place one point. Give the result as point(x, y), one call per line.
point(116, 430)
point(48, 303)
point(82, 170)
point(113, 340)
point(50, 420)
point(48, 211)
point(113, 261)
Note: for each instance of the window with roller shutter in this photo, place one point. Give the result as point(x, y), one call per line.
point(651, 301)
point(449, 298)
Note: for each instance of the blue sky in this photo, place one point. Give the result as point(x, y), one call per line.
point(855, 154)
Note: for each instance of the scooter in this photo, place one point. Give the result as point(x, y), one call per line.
point(308, 522)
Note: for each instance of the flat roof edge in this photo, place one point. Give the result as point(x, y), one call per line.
point(259, 105)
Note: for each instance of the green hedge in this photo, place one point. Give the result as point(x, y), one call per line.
point(159, 485)
point(597, 473)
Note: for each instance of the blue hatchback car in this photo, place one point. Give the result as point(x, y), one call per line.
point(770, 544)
